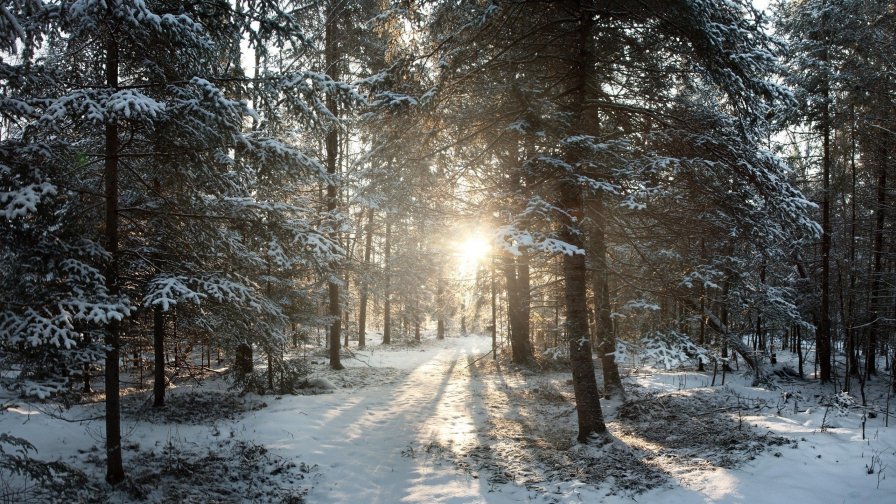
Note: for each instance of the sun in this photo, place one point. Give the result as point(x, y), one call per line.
point(472, 252)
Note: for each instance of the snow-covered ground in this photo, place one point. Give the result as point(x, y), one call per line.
point(431, 423)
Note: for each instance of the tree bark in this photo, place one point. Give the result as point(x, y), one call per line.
point(440, 293)
point(114, 467)
point(852, 361)
point(335, 310)
point(877, 289)
point(516, 276)
point(590, 415)
point(158, 346)
point(702, 337)
point(494, 326)
point(362, 312)
point(243, 360)
point(387, 295)
point(87, 375)
point(823, 333)
point(606, 339)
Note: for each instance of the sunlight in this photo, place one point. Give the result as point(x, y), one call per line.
point(472, 252)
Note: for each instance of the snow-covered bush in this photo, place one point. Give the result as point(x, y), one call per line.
point(285, 377)
point(841, 402)
point(671, 349)
point(25, 479)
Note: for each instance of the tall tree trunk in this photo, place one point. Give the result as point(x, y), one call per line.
point(823, 334)
point(877, 284)
point(114, 467)
point(387, 295)
point(516, 276)
point(335, 311)
point(346, 314)
point(362, 312)
point(416, 317)
point(852, 359)
point(524, 288)
point(590, 415)
point(494, 326)
point(243, 361)
point(158, 346)
point(87, 375)
point(440, 293)
point(606, 340)
point(702, 340)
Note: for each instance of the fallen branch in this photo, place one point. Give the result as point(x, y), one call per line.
point(478, 359)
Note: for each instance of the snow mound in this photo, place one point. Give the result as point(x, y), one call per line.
point(359, 377)
point(315, 386)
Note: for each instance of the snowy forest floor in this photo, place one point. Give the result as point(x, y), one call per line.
point(436, 423)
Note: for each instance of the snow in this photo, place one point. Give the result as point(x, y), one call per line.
point(18, 203)
point(429, 423)
point(133, 104)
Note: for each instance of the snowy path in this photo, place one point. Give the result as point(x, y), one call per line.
point(362, 440)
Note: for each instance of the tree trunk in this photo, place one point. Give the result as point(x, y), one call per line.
point(702, 337)
point(823, 334)
point(852, 361)
point(387, 296)
point(417, 318)
point(362, 312)
point(877, 284)
point(590, 415)
point(158, 347)
point(335, 311)
point(87, 376)
point(516, 276)
point(582, 61)
point(440, 293)
point(494, 326)
point(606, 340)
point(242, 361)
point(346, 321)
point(114, 467)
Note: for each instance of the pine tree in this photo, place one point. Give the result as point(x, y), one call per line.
point(838, 48)
point(197, 210)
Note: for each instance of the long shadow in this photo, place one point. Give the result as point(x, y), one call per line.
point(526, 450)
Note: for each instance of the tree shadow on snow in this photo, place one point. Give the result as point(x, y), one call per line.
point(529, 434)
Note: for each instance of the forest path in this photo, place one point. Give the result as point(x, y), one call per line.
point(370, 443)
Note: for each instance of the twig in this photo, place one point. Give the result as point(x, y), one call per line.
point(352, 354)
point(479, 359)
point(63, 418)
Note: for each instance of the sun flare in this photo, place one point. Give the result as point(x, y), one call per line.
point(472, 252)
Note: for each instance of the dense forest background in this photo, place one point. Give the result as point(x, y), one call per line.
point(213, 183)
